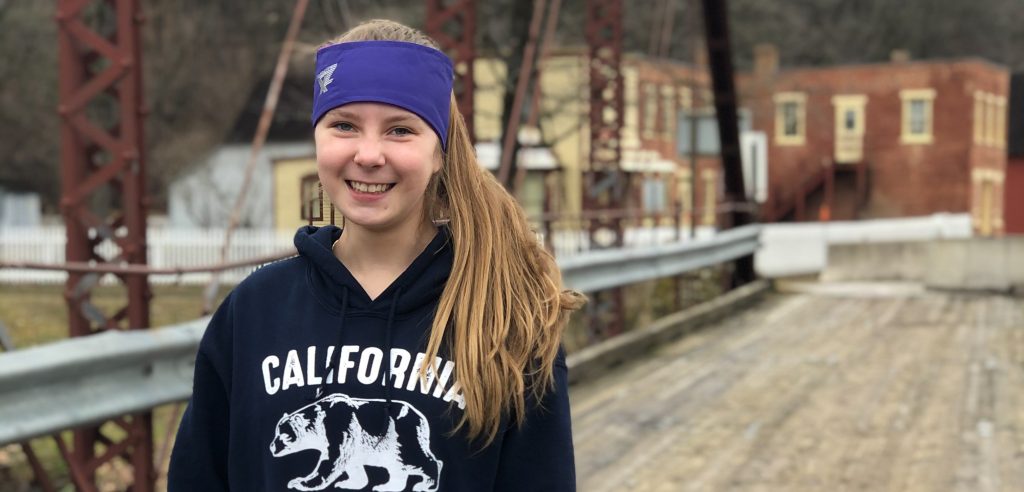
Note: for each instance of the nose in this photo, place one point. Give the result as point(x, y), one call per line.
point(368, 152)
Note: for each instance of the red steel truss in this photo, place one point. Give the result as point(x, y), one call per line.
point(103, 202)
point(453, 25)
point(604, 184)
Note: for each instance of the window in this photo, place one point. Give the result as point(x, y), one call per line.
point(668, 111)
point(654, 195)
point(312, 199)
point(710, 198)
point(979, 117)
point(989, 119)
point(707, 130)
point(631, 116)
point(790, 123)
point(1000, 122)
point(685, 97)
point(917, 116)
point(790, 118)
point(684, 194)
point(314, 203)
point(650, 111)
point(986, 209)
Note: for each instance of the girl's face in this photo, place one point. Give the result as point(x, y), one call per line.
point(375, 161)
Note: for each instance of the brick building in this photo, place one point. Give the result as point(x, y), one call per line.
point(892, 139)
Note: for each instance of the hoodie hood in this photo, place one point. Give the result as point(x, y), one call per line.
point(419, 286)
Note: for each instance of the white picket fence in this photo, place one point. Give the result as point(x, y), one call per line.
point(786, 249)
point(178, 247)
point(167, 248)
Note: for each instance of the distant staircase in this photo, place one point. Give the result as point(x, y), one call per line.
point(791, 204)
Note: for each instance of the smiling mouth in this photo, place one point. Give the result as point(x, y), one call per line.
point(369, 187)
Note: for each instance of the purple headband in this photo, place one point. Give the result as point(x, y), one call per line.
point(411, 76)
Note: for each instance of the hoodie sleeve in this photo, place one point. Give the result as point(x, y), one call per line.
point(200, 456)
point(539, 455)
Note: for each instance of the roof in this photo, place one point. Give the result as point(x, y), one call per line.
point(909, 64)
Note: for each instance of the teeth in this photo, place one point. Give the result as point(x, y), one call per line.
point(369, 188)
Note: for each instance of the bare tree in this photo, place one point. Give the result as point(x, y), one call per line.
point(202, 59)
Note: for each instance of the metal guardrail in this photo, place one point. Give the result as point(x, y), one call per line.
point(85, 380)
point(81, 381)
point(614, 268)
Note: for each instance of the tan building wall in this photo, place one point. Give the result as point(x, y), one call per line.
point(563, 109)
point(654, 93)
point(287, 194)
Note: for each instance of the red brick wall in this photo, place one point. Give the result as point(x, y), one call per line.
point(1013, 202)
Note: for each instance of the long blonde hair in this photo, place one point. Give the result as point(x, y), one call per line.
point(504, 308)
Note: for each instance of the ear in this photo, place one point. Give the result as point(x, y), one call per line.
point(438, 158)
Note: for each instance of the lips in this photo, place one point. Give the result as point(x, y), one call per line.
point(369, 187)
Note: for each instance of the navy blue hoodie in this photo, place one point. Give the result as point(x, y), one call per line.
point(293, 391)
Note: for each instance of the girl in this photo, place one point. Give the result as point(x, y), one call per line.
point(395, 354)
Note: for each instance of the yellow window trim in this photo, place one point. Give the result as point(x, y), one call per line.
point(668, 112)
point(993, 175)
point(907, 97)
point(1000, 136)
point(710, 198)
point(631, 116)
point(649, 123)
point(991, 117)
point(685, 97)
point(781, 99)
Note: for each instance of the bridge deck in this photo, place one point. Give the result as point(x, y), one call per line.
point(813, 392)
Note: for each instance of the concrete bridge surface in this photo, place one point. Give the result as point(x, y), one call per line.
point(819, 387)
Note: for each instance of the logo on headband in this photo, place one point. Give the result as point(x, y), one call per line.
point(324, 77)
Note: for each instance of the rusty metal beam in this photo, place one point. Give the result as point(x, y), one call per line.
point(716, 32)
point(453, 26)
point(604, 184)
point(103, 199)
point(527, 75)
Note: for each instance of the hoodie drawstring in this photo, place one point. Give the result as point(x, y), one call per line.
point(341, 335)
point(388, 329)
point(387, 355)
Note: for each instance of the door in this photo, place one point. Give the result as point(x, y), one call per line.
point(849, 128)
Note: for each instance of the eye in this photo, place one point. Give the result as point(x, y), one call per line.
point(343, 126)
point(401, 131)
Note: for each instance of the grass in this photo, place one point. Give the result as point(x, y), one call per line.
point(38, 314)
